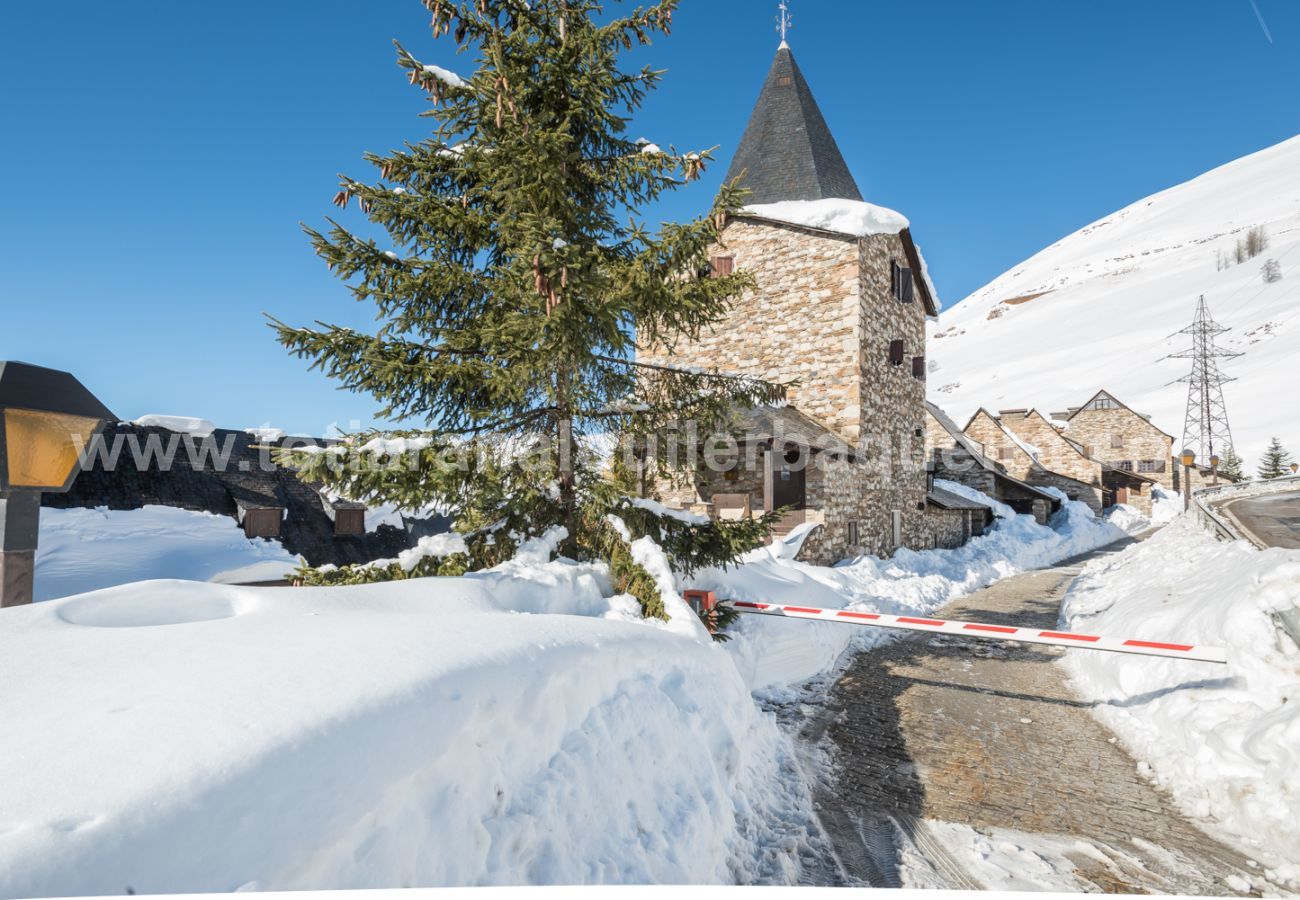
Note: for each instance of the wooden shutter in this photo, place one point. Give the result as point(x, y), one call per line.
point(896, 353)
point(722, 265)
point(902, 283)
point(918, 367)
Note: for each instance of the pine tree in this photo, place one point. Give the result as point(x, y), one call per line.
point(1276, 462)
point(514, 279)
point(1231, 466)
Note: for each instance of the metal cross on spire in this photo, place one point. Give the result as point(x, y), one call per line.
point(784, 22)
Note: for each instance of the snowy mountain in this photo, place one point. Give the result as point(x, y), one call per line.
point(1101, 308)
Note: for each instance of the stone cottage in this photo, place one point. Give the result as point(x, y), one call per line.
point(953, 455)
point(840, 307)
point(1021, 460)
point(1122, 437)
point(1026, 431)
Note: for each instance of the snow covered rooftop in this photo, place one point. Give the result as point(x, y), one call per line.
point(855, 217)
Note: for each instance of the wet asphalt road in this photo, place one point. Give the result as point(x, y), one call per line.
point(1273, 518)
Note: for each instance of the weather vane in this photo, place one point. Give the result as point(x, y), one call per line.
point(784, 23)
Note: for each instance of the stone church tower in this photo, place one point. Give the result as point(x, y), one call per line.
point(840, 308)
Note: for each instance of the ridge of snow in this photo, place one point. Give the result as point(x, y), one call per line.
point(1224, 740)
point(180, 424)
point(855, 217)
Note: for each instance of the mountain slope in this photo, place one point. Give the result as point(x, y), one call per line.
point(1097, 309)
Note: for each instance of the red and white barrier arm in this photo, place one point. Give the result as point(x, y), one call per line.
point(975, 630)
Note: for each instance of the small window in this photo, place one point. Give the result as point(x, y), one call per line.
point(902, 283)
point(918, 367)
point(1151, 465)
point(721, 266)
point(1126, 465)
point(896, 353)
point(853, 533)
point(1005, 453)
point(1116, 441)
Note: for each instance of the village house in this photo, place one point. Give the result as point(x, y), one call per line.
point(840, 308)
point(1015, 433)
point(1021, 460)
point(953, 455)
point(1122, 437)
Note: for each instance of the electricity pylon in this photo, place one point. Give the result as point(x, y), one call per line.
point(1205, 430)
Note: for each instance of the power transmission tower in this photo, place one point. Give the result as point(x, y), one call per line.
point(1205, 430)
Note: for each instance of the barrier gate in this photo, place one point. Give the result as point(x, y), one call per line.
point(703, 602)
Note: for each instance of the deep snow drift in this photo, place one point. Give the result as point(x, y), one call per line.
point(1097, 308)
point(176, 736)
point(1224, 739)
point(516, 726)
point(84, 550)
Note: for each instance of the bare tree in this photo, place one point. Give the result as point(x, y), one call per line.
point(1272, 271)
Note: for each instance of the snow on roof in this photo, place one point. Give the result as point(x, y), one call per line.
point(854, 217)
point(180, 424)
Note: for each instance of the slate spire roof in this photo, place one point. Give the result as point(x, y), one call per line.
point(787, 151)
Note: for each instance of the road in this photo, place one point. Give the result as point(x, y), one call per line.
point(937, 729)
point(1274, 519)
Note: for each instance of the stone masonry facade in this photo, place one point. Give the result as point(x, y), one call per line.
point(1125, 440)
point(824, 315)
point(1001, 446)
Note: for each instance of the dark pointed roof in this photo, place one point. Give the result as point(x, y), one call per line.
point(788, 152)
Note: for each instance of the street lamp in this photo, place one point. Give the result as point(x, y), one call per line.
point(1214, 468)
point(47, 419)
point(1295, 467)
point(1188, 459)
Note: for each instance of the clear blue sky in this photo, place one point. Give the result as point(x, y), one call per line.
point(157, 156)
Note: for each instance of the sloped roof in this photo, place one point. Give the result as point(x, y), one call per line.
point(787, 423)
point(1075, 411)
point(967, 443)
point(788, 151)
point(948, 500)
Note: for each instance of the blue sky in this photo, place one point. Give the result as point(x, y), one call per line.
point(158, 156)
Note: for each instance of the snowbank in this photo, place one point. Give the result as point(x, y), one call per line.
point(1224, 740)
point(84, 550)
point(198, 737)
point(844, 216)
point(774, 653)
point(180, 424)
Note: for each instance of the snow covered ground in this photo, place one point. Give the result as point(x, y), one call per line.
point(1111, 294)
point(203, 737)
point(774, 653)
point(178, 736)
point(84, 550)
point(1224, 740)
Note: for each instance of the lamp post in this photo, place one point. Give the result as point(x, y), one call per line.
point(1188, 458)
point(1214, 468)
point(1295, 468)
point(47, 419)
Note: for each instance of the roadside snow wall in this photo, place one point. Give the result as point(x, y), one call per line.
point(1225, 740)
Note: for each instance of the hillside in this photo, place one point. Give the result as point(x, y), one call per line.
point(1098, 308)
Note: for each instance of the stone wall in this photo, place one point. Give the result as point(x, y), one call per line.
point(1141, 444)
point(1000, 446)
point(802, 321)
point(1054, 451)
point(1090, 494)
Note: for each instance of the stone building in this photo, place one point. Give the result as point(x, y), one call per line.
point(952, 455)
point(840, 306)
point(1026, 432)
point(1020, 459)
point(1126, 439)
